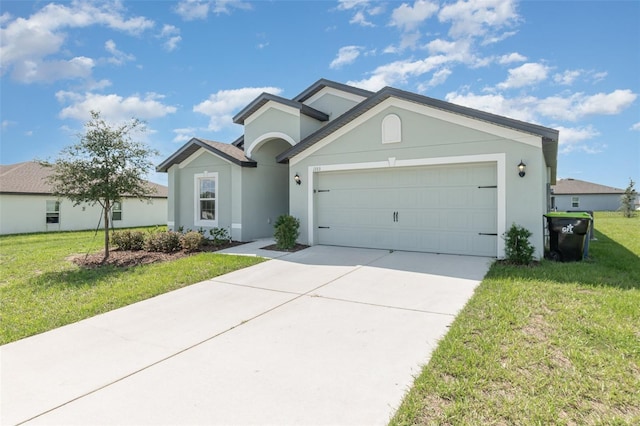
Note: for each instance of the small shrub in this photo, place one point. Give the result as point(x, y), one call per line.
point(286, 232)
point(165, 242)
point(191, 241)
point(219, 236)
point(128, 240)
point(518, 249)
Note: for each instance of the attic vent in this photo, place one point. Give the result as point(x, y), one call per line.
point(391, 129)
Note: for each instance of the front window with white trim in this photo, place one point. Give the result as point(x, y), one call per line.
point(575, 202)
point(206, 199)
point(53, 212)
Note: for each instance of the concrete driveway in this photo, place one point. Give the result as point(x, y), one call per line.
point(327, 335)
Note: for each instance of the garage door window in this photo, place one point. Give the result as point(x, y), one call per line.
point(206, 199)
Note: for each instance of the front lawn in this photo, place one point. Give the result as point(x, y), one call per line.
point(551, 344)
point(41, 289)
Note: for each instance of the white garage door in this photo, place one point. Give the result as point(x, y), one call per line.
point(439, 209)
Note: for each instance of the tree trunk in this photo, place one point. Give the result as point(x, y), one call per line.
point(106, 231)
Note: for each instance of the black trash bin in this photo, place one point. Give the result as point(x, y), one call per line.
point(568, 233)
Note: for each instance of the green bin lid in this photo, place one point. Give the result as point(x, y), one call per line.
point(573, 215)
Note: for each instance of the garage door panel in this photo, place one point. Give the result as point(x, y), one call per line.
point(439, 208)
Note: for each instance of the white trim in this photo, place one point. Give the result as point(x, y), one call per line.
point(196, 199)
point(499, 159)
point(197, 154)
point(483, 126)
point(269, 105)
point(236, 226)
point(335, 92)
point(257, 142)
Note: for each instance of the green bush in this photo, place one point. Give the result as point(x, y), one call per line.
point(286, 232)
point(128, 240)
point(518, 250)
point(191, 241)
point(219, 236)
point(165, 242)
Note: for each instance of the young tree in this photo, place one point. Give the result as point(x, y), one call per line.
point(627, 199)
point(103, 167)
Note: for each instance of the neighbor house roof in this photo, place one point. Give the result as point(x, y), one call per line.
point(229, 152)
point(30, 178)
point(268, 97)
point(571, 186)
point(549, 136)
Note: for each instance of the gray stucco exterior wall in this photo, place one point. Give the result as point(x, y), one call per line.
point(427, 137)
point(593, 202)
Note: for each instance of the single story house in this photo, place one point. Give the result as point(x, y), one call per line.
point(27, 205)
point(389, 169)
point(575, 194)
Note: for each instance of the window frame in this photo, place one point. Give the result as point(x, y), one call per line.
point(197, 216)
point(114, 210)
point(52, 213)
point(575, 202)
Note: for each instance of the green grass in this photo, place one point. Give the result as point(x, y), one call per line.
point(557, 343)
point(40, 289)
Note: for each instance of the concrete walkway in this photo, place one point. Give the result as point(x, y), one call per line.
point(323, 336)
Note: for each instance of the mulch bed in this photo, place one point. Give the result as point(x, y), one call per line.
point(126, 258)
point(297, 247)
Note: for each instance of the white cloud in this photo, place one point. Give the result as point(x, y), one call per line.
point(118, 57)
point(567, 78)
point(399, 71)
point(360, 19)
point(185, 134)
point(222, 105)
point(636, 127)
point(573, 139)
point(346, 55)
point(510, 58)
point(521, 108)
point(113, 108)
point(408, 18)
point(525, 75)
point(578, 105)
point(361, 9)
point(439, 77)
point(27, 43)
point(190, 10)
point(7, 123)
point(570, 107)
point(172, 37)
point(479, 18)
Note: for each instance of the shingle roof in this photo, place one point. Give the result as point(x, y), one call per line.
point(549, 136)
point(268, 97)
point(30, 177)
point(322, 83)
point(575, 186)
point(229, 152)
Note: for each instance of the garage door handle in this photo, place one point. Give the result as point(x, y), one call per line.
point(395, 216)
point(484, 233)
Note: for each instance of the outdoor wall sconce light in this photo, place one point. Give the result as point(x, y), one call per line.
point(297, 179)
point(521, 169)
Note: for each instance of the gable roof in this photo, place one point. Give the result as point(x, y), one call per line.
point(571, 186)
point(30, 177)
point(257, 103)
point(549, 136)
point(322, 83)
point(229, 152)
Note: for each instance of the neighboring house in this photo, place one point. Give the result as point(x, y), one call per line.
point(388, 169)
point(26, 205)
point(574, 194)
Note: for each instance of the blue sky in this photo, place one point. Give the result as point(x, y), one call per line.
point(186, 67)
